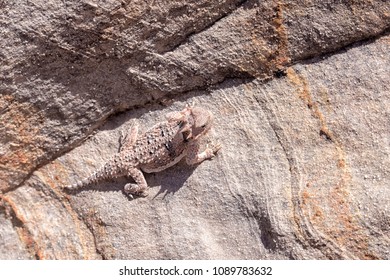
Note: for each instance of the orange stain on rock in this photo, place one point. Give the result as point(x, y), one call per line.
point(339, 222)
point(22, 147)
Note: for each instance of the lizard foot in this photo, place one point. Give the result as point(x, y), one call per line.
point(212, 150)
point(134, 189)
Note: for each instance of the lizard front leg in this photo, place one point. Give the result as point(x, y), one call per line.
point(140, 188)
point(194, 156)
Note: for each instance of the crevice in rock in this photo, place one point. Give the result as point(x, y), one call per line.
point(353, 44)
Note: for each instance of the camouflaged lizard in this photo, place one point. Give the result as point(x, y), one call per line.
point(158, 148)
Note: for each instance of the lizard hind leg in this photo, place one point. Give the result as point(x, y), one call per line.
point(140, 188)
point(128, 140)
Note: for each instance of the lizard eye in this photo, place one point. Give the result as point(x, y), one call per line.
point(203, 126)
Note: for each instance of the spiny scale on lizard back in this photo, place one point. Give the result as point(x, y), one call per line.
point(155, 144)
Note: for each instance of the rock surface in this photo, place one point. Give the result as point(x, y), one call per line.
point(300, 91)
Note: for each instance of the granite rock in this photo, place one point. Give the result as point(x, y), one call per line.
point(300, 93)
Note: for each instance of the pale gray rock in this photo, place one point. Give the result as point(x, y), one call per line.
point(300, 94)
point(13, 246)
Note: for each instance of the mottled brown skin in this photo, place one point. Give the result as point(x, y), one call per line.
point(158, 148)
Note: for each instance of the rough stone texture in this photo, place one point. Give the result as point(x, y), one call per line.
point(303, 115)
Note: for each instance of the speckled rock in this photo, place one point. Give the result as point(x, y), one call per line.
point(300, 93)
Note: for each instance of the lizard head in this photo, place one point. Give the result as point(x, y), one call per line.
point(201, 122)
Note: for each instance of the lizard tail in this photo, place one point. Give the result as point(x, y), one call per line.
point(106, 172)
point(90, 180)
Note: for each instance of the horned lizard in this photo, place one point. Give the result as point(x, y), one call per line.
point(158, 148)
